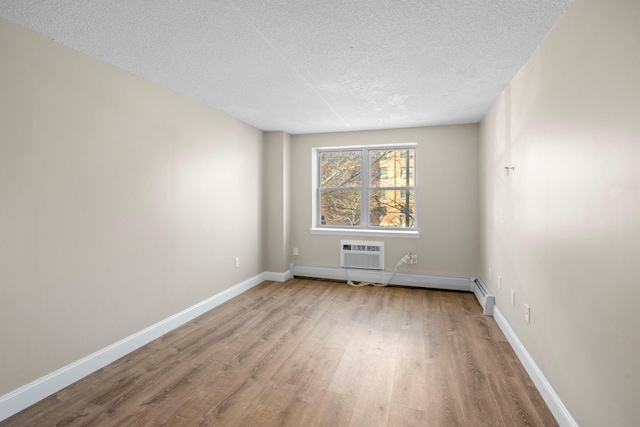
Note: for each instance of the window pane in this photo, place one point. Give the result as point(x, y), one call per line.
point(340, 207)
point(391, 208)
point(340, 169)
point(388, 168)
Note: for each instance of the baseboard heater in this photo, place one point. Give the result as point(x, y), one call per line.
point(484, 297)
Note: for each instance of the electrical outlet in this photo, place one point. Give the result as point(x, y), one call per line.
point(500, 282)
point(513, 297)
point(527, 313)
point(295, 251)
point(237, 262)
point(413, 258)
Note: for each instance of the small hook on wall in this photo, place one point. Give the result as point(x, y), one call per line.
point(507, 169)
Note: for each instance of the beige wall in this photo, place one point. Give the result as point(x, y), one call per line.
point(563, 231)
point(117, 208)
point(446, 200)
point(277, 201)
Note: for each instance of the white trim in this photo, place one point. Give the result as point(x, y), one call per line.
point(277, 277)
point(453, 283)
point(372, 232)
point(556, 406)
point(25, 396)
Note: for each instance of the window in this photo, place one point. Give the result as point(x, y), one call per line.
point(403, 173)
point(366, 188)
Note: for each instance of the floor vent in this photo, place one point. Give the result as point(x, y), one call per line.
point(485, 298)
point(356, 254)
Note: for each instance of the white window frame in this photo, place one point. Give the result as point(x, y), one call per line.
point(364, 229)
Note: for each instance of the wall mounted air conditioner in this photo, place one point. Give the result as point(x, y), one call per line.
point(362, 254)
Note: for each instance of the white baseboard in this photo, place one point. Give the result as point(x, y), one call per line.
point(554, 403)
point(25, 396)
point(452, 283)
point(277, 277)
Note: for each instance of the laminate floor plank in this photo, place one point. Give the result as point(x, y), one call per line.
point(412, 314)
point(410, 384)
point(331, 410)
point(335, 410)
point(405, 417)
point(515, 408)
point(310, 352)
point(272, 407)
point(382, 342)
point(435, 330)
point(392, 311)
point(411, 344)
point(478, 405)
point(444, 406)
point(352, 367)
point(373, 401)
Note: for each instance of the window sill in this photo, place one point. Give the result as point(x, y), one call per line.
point(366, 232)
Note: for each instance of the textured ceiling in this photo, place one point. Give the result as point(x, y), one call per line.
point(307, 66)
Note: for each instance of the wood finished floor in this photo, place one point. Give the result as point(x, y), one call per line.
point(313, 353)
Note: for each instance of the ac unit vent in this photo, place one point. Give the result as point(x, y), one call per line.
point(360, 254)
point(484, 297)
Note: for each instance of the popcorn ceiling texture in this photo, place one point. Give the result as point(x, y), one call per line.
point(307, 66)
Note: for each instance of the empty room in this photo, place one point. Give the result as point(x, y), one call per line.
point(303, 213)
